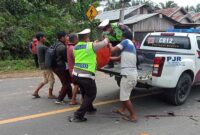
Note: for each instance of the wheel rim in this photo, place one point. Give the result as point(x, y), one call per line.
point(184, 90)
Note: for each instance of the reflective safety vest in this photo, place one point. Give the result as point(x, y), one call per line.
point(85, 57)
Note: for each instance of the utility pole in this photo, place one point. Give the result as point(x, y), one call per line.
point(121, 16)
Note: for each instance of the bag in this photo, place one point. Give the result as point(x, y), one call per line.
point(103, 57)
point(50, 57)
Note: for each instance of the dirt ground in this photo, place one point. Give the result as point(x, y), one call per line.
point(19, 74)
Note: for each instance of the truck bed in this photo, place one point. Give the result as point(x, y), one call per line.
point(145, 64)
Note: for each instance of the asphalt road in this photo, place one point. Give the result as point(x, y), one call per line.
point(22, 115)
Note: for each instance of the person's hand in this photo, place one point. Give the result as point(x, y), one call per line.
point(106, 40)
point(101, 38)
point(115, 59)
point(111, 58)
point(96, 41)
point(110, 45)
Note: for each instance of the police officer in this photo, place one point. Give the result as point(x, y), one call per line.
point(84, 73)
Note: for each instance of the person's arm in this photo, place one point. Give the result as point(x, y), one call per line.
point(115, 58)
point(114, 49)
point(101, 44)
point(62, 52)
point(70, 53)
point(120, 46)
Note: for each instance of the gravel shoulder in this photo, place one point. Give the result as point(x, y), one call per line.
point(20, 74)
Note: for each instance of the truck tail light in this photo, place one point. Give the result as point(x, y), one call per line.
point(158, 66)
point(198, 52)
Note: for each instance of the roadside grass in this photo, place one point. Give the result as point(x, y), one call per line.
point(8, 66)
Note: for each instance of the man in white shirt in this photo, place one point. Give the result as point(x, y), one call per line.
point(128, 72)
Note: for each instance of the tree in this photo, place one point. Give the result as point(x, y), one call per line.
point(168, 4)
point(195, 9)
point(20, 20)
point(113, 4)
point(145, 2)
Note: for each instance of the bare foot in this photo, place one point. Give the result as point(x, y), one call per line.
point(35, 95)
point(73, 103)
point(130, 118)
point(52, 97)
point(118, 111)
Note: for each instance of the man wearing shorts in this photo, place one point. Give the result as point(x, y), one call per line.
point(128, 72)
point(48, 76)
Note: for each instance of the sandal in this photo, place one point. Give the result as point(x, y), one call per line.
point(118, 112)
point(73, 103)
point(128, 118)
point(35, 95)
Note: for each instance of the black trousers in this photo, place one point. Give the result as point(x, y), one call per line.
point(64, 77)
point(88, 90)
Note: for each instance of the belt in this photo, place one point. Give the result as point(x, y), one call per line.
point(84, 75)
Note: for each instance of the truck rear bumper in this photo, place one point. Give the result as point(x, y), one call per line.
point(145, 78)
point(157, 82)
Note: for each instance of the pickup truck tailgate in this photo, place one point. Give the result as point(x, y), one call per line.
point(144, 65)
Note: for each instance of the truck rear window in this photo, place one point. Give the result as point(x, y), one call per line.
point(168, 42)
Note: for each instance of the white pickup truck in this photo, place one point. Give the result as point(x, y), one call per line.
point(169, 60)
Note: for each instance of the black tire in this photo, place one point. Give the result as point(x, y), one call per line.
point(179, 94)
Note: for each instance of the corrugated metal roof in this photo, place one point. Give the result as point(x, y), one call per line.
point(178, 17)
point(138, 18)
point(167, 11)
point(170, 12)
point(196, 16)
point(114, 14)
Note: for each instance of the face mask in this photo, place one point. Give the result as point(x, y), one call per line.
point(105, 33)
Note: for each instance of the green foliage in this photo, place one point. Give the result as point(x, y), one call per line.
point(15, 7)
point(195, 9)
point(168, 4)
point(20, 20)
point(114, 4)
point(16, 65)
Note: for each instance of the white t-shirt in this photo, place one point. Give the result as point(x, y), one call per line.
point(128, 57)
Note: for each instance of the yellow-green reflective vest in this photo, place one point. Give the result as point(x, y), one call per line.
point(85, 57)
